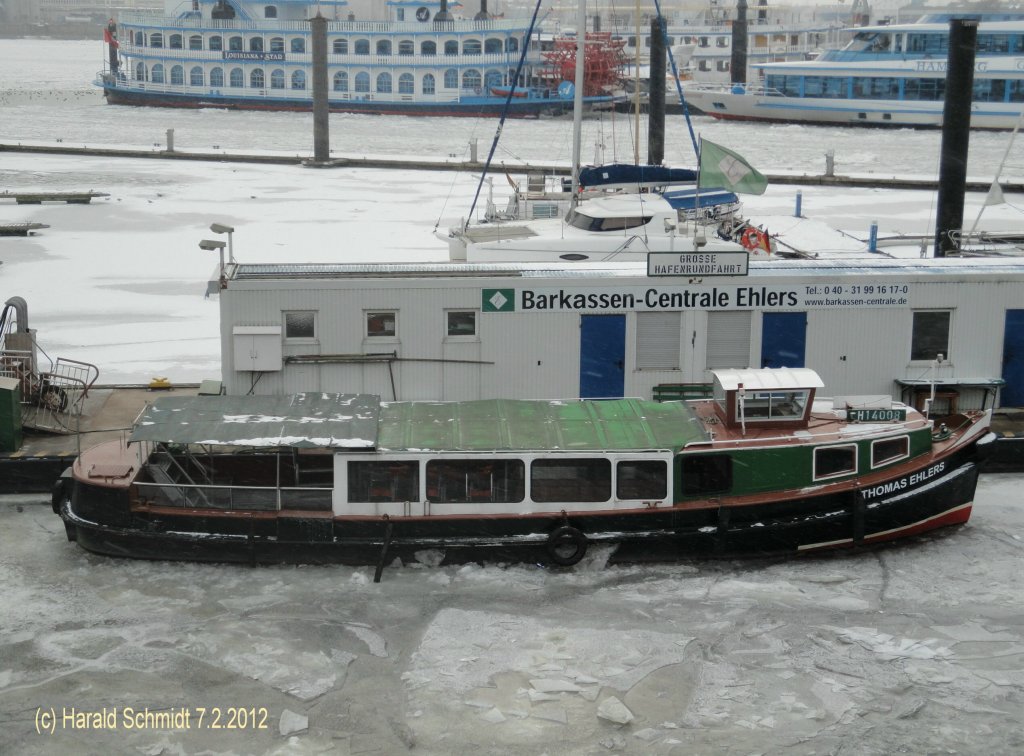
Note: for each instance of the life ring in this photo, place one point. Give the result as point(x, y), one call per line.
point(566, 546)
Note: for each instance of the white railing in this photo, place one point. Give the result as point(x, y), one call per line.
point(160, 21)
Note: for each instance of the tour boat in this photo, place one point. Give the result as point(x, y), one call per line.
point(888, 75)
point(762, 466)
point(423, 60)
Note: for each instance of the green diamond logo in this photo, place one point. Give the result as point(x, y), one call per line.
point(499, 300)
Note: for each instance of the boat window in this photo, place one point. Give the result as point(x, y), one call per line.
point(140, 39)
point(270, 11)
point(381, 324)
point(216, 42)
point(773, 405)
point(617, 223)
point(256, 44)
point(924, 89)
point(195, 76)
point(570, 479)
point(641, 479)
point(451, 78)
point(177, 75)
point(930, 336)
point(217, 77)
point(383, 46)
point(341, 81)
point(471, 79)
point(471, 47)
point(705, 474)
point(362, 82)
point(835, 461)
point(362, 47)
point(406, 47)
point(156, 40)
point(512, 44)
point(235, 44)
point(451, 47)
point(277, 44)
point(140, 71)
point(277, 79)
point(428, 48)
point(256, 80)
point(341, 47)
point(195, 42)
point(460, 322)
point(237, 78)
point(493, 46)
point(174, 42)
point(298, 79)
point(429, 86)
point(492, 481)
point(406, 84)
point(390, 480)
point(889, 450)
point(298, 45)
point(384, 82)
point(157, 74)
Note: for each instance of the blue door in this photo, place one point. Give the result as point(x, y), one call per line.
point(783, 339)
point(602, 355)
point(1013, 360)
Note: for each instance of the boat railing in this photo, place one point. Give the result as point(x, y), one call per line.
point(162, 21)
point(233, 497)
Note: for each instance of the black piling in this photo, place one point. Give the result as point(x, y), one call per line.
point(321, 127)
point(956, 132)
point(738, 63)
point(656, 94)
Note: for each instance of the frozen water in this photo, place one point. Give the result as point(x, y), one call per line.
point(916, 648)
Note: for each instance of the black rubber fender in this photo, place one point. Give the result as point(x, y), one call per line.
point(61, 490)
point(567, 545)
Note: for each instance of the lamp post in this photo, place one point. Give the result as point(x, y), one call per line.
point(209, 245)
point(220, 228)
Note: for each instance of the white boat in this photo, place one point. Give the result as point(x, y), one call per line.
point(889, 75)
point(421, 60)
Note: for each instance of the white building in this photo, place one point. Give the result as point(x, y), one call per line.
point(447, 331)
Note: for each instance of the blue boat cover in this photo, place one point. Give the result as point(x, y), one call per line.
point(629, 174)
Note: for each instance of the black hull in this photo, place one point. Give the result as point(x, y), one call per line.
point(100, 521)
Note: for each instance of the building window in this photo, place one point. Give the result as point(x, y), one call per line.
point(460, 322)
point(931, 335)
point(889, 450)
point(657, 340)
point(382, 324)
point(835, 461)
point(728, 335)
point(300, 325)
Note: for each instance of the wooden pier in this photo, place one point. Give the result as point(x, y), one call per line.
point(20, 229)
point(38, 198)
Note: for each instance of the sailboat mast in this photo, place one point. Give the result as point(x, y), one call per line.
point(577, 102)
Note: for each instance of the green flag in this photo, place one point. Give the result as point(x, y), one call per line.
point(722, 168)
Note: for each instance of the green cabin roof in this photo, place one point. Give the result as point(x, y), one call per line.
point(362, 421)
point(523, 425)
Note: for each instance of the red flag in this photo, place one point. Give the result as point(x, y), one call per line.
point(109, 39)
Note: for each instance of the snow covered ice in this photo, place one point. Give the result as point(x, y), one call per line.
point(915, 648)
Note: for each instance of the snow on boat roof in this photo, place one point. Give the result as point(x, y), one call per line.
point(312, 420)
point(541, 425)
point(768, 378)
